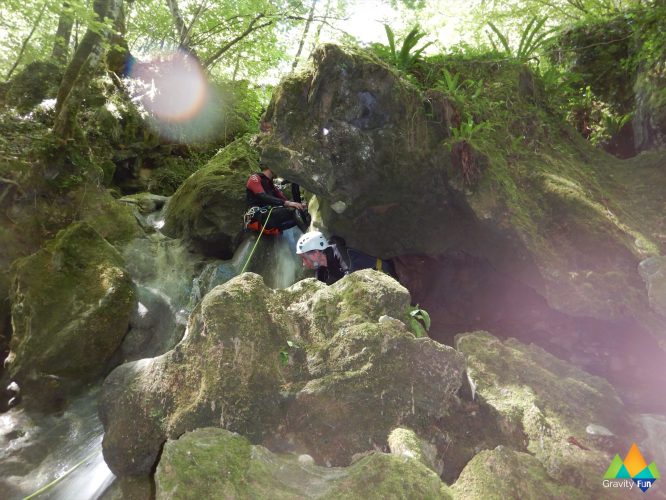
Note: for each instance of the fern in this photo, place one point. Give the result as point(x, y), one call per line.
point(408, 54)
point(532, 39)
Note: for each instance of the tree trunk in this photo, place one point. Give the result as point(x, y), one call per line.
point(24, 45)
point(182, 31)
point(63, 35)
point(118, 58)
point(305, 35)
point(321, 24)
point(80, 70)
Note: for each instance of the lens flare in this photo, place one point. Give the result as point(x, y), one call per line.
point(176, 96)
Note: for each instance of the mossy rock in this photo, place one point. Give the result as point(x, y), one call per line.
point(256, 361)
point(535, 200)
point(71, 303)
point(552, 403)
point(207, 209)
point(505, 473)
point(351, 130)
point(37, 82)
point(215, 462)
point(113, 220)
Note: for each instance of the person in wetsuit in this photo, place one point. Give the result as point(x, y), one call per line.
point(262, 195)
point(331, 260)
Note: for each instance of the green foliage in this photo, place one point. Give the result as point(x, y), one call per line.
point(469, 130)
point(407, 54)
point(419, 321)
point(283, 355)
point(171, 174)
point(457, 90)
point(532, 38)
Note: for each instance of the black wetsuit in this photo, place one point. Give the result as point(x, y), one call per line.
point(261, 192)
point(343, 260)
point(334, 270)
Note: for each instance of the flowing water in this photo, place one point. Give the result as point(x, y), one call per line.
point(59, 455)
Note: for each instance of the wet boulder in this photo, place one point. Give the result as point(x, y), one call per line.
point(207, 209)
point(310, 367)
point(215, 462)
point(506, 473)
point(556, 406)
point(71, 304)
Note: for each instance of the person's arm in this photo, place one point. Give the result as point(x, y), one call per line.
point(296, 193)
point(254, 185)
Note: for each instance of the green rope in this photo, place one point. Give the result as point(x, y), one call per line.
point(257, 242)
point(57, 480)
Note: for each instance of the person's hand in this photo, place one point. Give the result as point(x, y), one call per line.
point(293, 204)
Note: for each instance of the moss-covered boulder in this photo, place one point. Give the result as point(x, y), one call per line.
point(309, 365)
point(215, 462)
point(363, 139)
point(406, 443)
point(38, 81)
point(554, 404)
point(506, 473)
point(513, 190)
point(207, 210)
point(71, 304)
point(352, 130)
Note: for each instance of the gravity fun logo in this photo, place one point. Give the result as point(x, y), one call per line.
point(634, 470)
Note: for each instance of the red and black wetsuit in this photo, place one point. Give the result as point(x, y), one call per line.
point(261, 192)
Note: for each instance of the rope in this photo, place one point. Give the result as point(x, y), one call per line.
point(257, 242)
point(57, 480)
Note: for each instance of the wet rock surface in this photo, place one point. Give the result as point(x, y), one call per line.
point(71, 304)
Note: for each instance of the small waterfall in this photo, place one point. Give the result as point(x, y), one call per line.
point(37, 449)
point(274, 258)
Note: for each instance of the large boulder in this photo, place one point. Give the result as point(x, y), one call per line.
point(207, 210)
point(361, 137)
point(322, 370)
point(71, 304)
point(541, 222)
point(215, 462)
point(352, 130)
point(573, 422)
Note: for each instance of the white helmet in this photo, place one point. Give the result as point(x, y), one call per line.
point(314, 240)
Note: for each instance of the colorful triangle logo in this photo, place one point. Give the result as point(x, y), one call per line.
point(633, 467)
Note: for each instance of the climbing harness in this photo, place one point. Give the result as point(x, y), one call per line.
point(251, 224)
point(249, 257)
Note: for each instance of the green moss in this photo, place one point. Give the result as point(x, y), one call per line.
point(503, 473)
point(214, 462)
point(384, 476)
point(71, 303)
point(220, 458)
point(38, 81)
point(550, 400)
